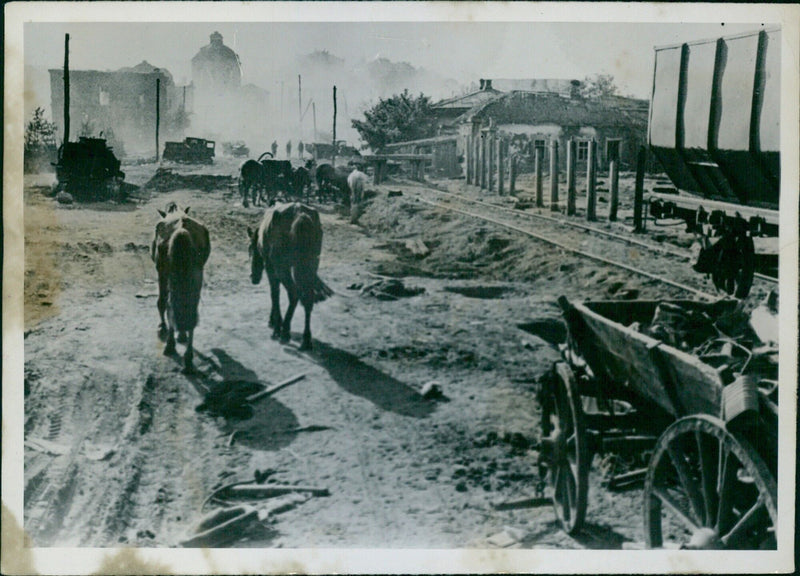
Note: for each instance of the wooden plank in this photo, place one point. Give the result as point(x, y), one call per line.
point(626, 355)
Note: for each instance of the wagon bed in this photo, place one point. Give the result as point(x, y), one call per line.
point(708, 420)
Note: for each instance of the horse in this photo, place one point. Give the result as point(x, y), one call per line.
point(328, 179)
point(287, 245)
point(180, 249)
point(251, 181)
point(301, 180)
point(357, 182)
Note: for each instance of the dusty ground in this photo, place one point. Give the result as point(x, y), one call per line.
point(116, 453)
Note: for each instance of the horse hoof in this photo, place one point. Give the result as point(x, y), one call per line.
point(169, 350)
point(306, 347)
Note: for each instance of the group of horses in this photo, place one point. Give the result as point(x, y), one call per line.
point(264, 180)
point(287, 245)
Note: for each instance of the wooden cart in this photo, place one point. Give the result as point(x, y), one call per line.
point(709, 427)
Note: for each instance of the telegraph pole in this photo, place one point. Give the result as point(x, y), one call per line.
point(66, 88)
point(158, 111)
point(333, 162)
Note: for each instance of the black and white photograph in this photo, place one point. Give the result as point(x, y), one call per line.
point(426, 287)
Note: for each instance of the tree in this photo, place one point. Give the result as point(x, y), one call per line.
point(40, 141)
point(598, 86)
point(397, 119)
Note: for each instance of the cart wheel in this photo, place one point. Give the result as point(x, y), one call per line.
point(565, 450)
point(707, 488)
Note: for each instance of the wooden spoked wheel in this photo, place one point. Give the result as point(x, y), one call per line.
point(565, 450)
point(707, 488)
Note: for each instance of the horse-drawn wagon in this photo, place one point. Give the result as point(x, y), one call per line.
point(691, 388)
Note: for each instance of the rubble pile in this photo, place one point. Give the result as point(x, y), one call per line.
point(166, 180)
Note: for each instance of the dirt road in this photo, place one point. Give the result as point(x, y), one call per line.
point(117, 454)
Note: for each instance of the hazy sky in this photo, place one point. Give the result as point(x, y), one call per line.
point(462, 51)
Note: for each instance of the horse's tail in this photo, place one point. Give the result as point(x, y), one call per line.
point(306, 238)
point(321, 290)
point(185, 280)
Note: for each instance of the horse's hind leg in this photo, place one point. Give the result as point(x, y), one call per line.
point(308, 306)
point(275, 299)
point(181, 337)
point(188, 357)
point(169, 349)
point(162, 303)
point(291, 288)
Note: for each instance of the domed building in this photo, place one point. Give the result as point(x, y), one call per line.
point(216, 68)
point(222, 109)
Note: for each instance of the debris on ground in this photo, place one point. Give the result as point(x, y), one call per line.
point(507, 538)
point(232, 398)
point(166, 180)
point(390, 289)
point(432, 391)
point(417, 247)
point(64, 198)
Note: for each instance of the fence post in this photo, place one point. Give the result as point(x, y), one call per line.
point(571, 192)
point(484, 160)
point(613, 174)
point(512, 168)
point(492, 160)
point(591, 177)
point(501, 158)
point(638, 195)
point(468, 158)
point(554, 175)
point(538, 170)
point(476, 173)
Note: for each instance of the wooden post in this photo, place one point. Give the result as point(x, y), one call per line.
point(538, 169)
point(66, 88)
point(512, 184)
point(571, 192)
point(468, 158)
point(333, 160)
point(484, 135)
point(613, 174)
point(501, 159)
point(638, 194)
point(554, 175)
point(591, 177)
point(476, 157)
point(314, 114)
point(158, 112)
point(490, 144)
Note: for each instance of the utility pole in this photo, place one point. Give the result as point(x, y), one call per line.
point(299, 98)
point(333, 162)
point(66, 88)
point(314, 114)
point(158, 111)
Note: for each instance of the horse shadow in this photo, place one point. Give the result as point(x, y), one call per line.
point(265, 424)
point(363, 380)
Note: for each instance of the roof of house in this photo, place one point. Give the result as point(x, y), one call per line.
point(551, 85)
point(520, 107)
point(470, 100)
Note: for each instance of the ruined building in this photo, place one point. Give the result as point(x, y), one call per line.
point(119, 105)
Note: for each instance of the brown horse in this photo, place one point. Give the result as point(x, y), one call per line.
point(287, 245)
point(180, 249)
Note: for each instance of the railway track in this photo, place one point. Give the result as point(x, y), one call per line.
point(618, 250)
